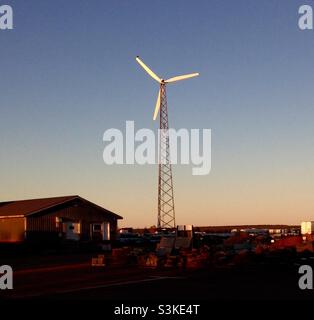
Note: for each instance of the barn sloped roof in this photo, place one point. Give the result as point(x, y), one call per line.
point(32, 206)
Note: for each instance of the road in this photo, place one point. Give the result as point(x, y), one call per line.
point(80, 281)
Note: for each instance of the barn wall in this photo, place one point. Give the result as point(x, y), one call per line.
point(12, 229)
point(82, 213)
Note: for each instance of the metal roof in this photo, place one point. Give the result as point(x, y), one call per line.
point(32, 206)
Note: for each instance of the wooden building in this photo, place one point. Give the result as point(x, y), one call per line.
point(69, 218)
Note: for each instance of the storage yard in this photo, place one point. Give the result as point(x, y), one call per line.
point(269, 280)
point(242, 264)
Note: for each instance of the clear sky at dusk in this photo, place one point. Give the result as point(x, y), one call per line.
point(68, 73)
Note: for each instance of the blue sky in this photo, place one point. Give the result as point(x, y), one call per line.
point(68, 73)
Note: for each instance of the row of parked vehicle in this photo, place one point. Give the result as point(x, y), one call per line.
point(129, 238)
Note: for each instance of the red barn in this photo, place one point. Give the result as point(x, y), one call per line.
point(69, 218)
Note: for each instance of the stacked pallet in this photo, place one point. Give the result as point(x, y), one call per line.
point(120, 256)
point(148, 261)
point(99, 261)
point(193, 259)
point(171, 261)
point(152, 261)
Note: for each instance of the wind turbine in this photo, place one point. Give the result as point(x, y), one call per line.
point(166, 213)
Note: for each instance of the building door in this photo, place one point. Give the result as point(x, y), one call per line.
point(100, 231)
point(72, 230)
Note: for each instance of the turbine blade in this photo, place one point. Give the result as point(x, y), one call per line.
point(150, 72)
point(178, 78)
point(157, 106)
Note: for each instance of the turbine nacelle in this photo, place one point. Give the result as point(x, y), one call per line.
point(162, 81)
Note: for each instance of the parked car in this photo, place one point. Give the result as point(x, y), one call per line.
point(130, 239)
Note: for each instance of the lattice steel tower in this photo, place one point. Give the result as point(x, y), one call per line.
point(166, 213)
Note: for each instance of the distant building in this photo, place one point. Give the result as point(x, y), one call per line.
point(307, 227)
point(68, 218)
point(255, 231)
point(276, 231)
